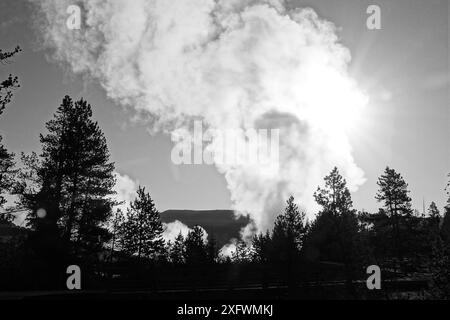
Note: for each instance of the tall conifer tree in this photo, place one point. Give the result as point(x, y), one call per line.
point(142, 230)
point(72, 181)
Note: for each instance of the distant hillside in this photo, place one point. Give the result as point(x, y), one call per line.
point(219, 223)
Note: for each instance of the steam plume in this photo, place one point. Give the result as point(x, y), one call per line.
point(234, 63)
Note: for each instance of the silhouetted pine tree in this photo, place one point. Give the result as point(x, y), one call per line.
point(445, 228)
point(393, 193)
point(440, 272)
point(261, 248)
point(335, 228)
point(196, 253)
point(334, 235)
point(72, 181)
point(242, 253)
point(440, 260)
point(116, 224)
point(289, 232)
point(212, 250)
point(434, 217)
point(375, 231)
point(7, 172)
point(11, 83)
point(178, 250)
point(142, 230)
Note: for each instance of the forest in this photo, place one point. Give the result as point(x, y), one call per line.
point(67, 191)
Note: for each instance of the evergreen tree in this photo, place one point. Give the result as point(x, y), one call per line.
point(196, 253)
point(11, 83)
point(447, 189)
point(142, 230)
point(261, 248)
point(393, 193)
point(335, 228)
point(212, 250)
point(242, 253)
point(445, 228)
point(7, 172)
point(287, 240)
point(116, 224)
point(178, 250)
point(434, 217)
point(335, 197)
point(334, 235)
point(439, 287)
point(72, 181)
point(289, 232)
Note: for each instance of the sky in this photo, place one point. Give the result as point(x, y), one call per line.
point(403, 68)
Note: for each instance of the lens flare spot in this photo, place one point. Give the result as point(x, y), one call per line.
point(41, 213)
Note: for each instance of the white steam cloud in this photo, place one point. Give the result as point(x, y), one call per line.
point(173, 229)
point(234, 63)
point(229, 249)
point(125, 189)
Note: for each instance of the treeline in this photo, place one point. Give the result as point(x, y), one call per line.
point(67, 192)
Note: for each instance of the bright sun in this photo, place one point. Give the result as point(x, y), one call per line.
point(333, 100)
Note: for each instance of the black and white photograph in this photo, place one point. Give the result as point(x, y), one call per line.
point(237, 153)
